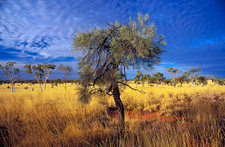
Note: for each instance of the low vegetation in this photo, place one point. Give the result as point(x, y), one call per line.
point(163, 116)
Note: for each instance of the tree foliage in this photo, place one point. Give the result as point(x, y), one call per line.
point(202, 80)
point(109, 51)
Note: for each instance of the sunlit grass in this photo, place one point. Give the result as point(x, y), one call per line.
point(56, 118)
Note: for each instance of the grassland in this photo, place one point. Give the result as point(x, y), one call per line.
point(163, 116)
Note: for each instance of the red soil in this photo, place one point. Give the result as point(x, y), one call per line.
point(144, 116)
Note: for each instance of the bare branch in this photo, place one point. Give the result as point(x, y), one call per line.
point(93, 91)
point(141, 91)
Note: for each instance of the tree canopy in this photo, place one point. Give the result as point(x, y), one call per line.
point(113, 49)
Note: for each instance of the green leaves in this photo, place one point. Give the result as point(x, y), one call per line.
point(108, 52)
point(9, 71)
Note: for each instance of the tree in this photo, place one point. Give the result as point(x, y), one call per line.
point(167, 81)
point(47, 70)
point(66, 70)
point(158, 77)
point(202, 80)
point(192, 74)
point(11, 73)
point(111, 50)
point(145, 78)
point(183, 78)
point(37, 72)
point(138, 77)
point(173, 72)
point(218, 81)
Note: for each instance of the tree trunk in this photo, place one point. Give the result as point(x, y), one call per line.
point(40, 85)
point(119, 105)
point(45, 85)
point(65, 84)
point(12, 85)
point(192, 83)
point(174, 83)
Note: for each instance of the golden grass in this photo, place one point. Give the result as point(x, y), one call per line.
point(56, 118)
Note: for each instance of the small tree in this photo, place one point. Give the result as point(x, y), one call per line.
point(158, 77)
point(10, 73)
point(182, 78)
point(192, 74)
point(47, 70)
point(111, 50)
point(202, 80)
point(138, 77)
point(145, 78)
point(35, 70)
point(173, 72)
point(168, 82)
point(66, 70)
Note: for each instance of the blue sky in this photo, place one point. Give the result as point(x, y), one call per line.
point(37, 31)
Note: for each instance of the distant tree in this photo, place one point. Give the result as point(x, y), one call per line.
point(146, 78)
point(192, 74)
point(138, 77)
point(218, 81)
point(167, 81)
point(111, 50)
point(37, 72)
point(158, 77)
point(173, 72)
point(47, 70)
point(182, 78)
point(202, 80)
point(11, 73)
point(66, 70)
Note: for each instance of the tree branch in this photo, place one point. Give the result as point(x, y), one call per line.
point(93, 91)
point(141, 91)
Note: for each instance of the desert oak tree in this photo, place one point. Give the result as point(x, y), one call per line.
point(109, 51)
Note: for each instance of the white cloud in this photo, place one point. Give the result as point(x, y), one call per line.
point(45, 30)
